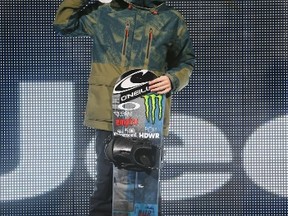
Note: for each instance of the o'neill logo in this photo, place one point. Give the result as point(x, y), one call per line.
point(133, 84)
point(133, 79)
point(153, 107)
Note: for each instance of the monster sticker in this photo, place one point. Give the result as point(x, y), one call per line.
point(153, 105)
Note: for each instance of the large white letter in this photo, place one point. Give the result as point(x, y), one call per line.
point(203, 143)
point(266, 156)
point(46, 140)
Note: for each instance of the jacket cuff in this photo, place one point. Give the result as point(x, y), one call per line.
point(174, 81)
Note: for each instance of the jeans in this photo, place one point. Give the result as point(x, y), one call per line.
point(101, 198)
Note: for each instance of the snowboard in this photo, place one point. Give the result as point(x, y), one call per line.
point(138, 116)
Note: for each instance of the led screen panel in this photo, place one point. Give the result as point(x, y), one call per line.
point(227, 149)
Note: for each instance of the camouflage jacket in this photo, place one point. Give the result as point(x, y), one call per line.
point(126, 35)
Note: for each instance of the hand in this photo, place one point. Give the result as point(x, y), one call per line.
point(160, 85)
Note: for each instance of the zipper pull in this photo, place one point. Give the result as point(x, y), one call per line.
point(127, 29)
point(150, 34)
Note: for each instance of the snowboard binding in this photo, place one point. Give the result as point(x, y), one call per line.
point(132, 153)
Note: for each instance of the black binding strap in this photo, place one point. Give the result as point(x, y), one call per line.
point(132, 153)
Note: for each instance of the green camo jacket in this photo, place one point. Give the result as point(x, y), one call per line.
point(126, 35)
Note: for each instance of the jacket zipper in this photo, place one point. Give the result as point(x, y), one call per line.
point(126, 35)
point(150, 37)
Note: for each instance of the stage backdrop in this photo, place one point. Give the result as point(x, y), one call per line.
point(227, 153)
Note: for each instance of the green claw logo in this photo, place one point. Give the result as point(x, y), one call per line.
point(152, 101)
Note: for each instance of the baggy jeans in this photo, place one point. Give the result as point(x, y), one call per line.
point(101, 198)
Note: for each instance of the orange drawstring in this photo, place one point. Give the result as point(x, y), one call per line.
point(155, 12)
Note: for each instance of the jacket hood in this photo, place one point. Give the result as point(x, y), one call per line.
point(145, 3)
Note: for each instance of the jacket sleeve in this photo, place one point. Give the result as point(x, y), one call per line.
point(180, 58)
point(72, 18)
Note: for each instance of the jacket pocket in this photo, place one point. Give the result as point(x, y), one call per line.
point(125, 40)
point(99, 103)
point(149, 43)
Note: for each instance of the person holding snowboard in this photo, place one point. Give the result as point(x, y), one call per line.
point(126, 34)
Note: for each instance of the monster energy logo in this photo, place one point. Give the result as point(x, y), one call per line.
point(152, 102)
